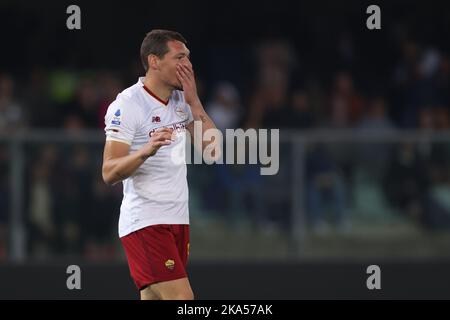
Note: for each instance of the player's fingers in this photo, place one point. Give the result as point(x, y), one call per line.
point(180, 76)
point(161, 130)
point(167, 133)
point(186, 72)
point(157, 136)
point(188, 69)
point(167, 136)
point(189, 64)
point(163, 136)
point(159, 144)
point(153, 135)
point(164, 142)
point(182, 73)
point(165, 130)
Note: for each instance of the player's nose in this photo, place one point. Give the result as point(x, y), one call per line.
point(185, 61)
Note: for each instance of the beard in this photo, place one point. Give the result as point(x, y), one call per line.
point(173, 84)
point(178, 86)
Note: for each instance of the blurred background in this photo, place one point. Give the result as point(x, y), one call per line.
point(364, 119)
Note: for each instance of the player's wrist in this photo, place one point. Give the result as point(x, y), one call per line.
point(194, 102)
point(144, 154)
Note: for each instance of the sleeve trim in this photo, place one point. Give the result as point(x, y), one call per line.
point(118, 140)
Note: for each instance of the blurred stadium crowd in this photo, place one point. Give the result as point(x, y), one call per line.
point(271, 83)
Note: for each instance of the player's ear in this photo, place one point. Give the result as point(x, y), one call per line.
point(152, 62)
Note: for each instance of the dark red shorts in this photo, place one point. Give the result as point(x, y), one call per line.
point(157, 253)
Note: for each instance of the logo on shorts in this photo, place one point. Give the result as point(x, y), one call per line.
point(170, 264)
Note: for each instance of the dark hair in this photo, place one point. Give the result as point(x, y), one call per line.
point(155, 42)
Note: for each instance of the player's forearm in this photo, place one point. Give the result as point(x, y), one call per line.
point(118, 169)
point(210, 148)
point(199, 114)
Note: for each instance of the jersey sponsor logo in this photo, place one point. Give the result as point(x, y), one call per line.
point(170, 264)
point(156, 119)
point(178, 127)
point(116, 118)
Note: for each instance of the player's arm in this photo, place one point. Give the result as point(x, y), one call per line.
point(119, 164)
point(186, 76)
point(199, 114)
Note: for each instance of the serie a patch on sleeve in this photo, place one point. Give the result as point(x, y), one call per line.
point(117, 117)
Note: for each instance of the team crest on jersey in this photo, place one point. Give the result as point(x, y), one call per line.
point(156, 119)
point(116, 118)
point(181, 113)
point(170, 264)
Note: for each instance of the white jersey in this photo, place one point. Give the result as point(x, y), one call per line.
point(157, 192)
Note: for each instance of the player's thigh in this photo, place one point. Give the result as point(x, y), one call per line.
point(179, 289)
point(148, 294)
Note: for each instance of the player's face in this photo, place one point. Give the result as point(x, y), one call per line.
point(178, 54)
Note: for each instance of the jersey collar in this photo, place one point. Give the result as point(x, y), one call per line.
point(141, 82)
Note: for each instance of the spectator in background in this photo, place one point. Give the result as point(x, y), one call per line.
point(316, 99)
point(4, 201)
point(12, 114)
point(98, 223)
point(419, 81)
point(376, 117)
point(406, 182)
point(438, 153)
point(324, 186)
point(87, 102)
point(347, 105)
point(62, 86)
point(75, 199)
point(407, 186)
point(276, 54)
point(300, 114)
point(42, 112)
point(110, 86)
point(373, 157)
point(442, 118)
point(241, 186)
point(346, 50)
point(80, 109)
point(73, 123)
point(443, 81)
point(41, 212)
point(276, 61)
point(268, 104)
point(225, 107)
point(43, 237)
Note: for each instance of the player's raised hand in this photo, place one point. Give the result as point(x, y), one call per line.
point(186, 76)
point(159, 138)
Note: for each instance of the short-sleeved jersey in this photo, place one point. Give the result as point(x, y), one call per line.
point(157, 192)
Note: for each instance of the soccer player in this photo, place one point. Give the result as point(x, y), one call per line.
point(143, 126)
